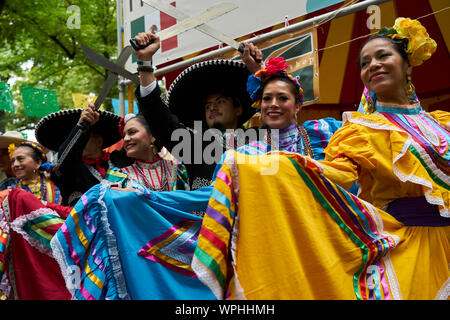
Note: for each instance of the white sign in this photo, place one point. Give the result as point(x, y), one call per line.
point(249, 17)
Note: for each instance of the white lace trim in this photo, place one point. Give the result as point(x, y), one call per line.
point(4, 225)
point(200, 182)
point(444, 212)
point(139, 188)
point(59, 256)
point(392, 277)
point(5, 286)
point(17, 224)
point(425, 156)
point(112, 247)
point(379, 222)
point(5, 206)
point(347, 116)
point(429, 134)
point(389, 268)
point(207, 277)
point(444, 292)
point(231, 162)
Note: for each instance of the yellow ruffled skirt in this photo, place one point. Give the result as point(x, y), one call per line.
point(276, 228)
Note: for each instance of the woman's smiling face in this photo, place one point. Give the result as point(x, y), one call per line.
point(23, 165)
point(278, 105)
point(137, 141)
point(383, 70)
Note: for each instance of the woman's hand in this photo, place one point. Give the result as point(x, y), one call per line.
point(251, 52)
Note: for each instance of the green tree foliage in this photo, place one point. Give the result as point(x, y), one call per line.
point(40, 46)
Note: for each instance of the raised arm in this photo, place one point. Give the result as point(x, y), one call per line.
point(150, 101)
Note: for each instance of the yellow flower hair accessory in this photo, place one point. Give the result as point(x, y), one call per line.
point(11, 149)
point(420, 45)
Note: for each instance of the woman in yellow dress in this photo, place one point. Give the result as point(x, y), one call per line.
point(293, 231)
point(400, 156)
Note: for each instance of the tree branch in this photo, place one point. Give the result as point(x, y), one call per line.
point(69, 54)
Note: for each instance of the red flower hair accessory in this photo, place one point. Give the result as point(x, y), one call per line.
point(273, 67)
point(121, 126)
point(124, 120)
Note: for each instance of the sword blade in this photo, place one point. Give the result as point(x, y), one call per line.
point(110, 66)
point(167, 9)
point(110, 80)
point(221, 37)
point(193, 22)
point(112, 77)
point(124, 55)
point(179, 15)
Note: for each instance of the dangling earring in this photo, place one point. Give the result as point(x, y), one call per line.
point(410, 90)
point(154, 149)
point(370, 107)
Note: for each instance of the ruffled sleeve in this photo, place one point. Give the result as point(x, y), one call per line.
point(348, 150)
point(442, 117)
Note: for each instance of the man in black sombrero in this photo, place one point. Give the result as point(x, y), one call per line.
point(81, 160)
point(209, 94)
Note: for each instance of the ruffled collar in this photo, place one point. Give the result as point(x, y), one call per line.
point(289, 138)
point(289, 134)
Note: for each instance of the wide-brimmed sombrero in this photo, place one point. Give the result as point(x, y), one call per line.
point(189, 90)
point(10, 137)
point(52, 130)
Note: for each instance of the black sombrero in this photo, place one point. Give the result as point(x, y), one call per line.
point(52, 130)
point(188, 91)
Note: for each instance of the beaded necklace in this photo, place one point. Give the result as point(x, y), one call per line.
point(164, 179)
point(306, 141)
point(39, 184)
